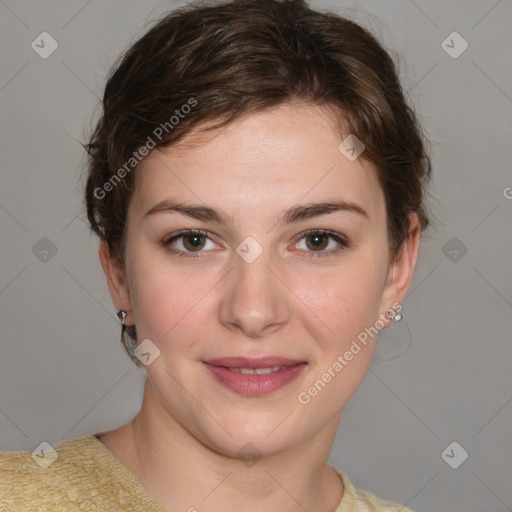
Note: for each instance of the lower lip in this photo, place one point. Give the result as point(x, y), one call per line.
point(255, 385)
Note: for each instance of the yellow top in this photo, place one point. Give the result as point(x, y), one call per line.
point(86, 476)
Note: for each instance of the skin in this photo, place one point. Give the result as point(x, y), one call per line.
point(294, 300)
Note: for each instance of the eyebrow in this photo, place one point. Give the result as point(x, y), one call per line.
point(294, 214)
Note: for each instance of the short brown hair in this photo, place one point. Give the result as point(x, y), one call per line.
point(225, 60)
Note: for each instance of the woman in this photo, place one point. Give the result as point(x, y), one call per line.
point(257, 183)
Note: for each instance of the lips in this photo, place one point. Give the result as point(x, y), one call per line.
point(255, 376)
point(260, 362)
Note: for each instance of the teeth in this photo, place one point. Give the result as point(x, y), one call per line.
point(257, 371)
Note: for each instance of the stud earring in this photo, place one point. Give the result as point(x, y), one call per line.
point(121, 314)
point(396, 315)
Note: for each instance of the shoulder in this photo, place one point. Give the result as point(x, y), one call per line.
point(24, 485)
point(364, 501)
point(48, 480)
point(17, 468)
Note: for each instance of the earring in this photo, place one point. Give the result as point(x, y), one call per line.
point(396, 316)
point(121, 314)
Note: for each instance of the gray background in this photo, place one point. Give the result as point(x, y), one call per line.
point(441, 375)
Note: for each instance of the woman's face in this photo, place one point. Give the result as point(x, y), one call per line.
point(260, 280)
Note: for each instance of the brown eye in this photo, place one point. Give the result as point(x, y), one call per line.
point(189, 243)
point(194, 242)
point(317, 241)
point(322, 243)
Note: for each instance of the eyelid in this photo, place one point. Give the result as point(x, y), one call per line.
point(183, 232)
point(333, 234)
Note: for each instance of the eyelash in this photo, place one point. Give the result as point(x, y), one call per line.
point(340, 239)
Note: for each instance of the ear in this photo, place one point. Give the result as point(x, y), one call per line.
point(401, 272)
point(116, 280)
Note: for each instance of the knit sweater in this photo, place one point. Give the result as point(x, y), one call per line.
point(87, 477)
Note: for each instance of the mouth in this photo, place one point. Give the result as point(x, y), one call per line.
point(257, 371)
point(255, 376)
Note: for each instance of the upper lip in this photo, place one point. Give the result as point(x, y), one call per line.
point(255, 362)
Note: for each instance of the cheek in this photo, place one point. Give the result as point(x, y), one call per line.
point(167, 302)
point(346, 305)
point(339, 303)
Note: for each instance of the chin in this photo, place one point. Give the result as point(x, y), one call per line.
point(254, 434)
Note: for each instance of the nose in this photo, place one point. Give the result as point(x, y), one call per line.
point(255, 300)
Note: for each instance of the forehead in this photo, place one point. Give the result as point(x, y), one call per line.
point(262, 161)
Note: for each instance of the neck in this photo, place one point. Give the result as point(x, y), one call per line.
point(183, 473)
